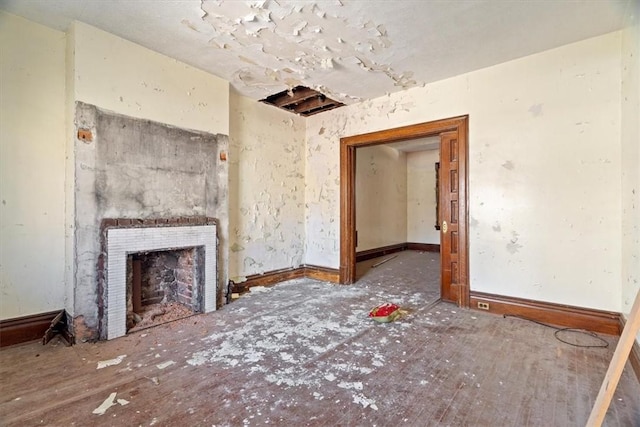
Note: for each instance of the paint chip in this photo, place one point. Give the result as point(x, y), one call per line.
point(108, 403)
point(165, 364)
point(111, 362)
point(364, 401)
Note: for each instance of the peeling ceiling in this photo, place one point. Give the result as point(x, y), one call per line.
point(349, 50)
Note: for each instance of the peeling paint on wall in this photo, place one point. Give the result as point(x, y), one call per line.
point(267, 182)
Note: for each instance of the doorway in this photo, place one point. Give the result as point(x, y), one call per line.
point(453, 200)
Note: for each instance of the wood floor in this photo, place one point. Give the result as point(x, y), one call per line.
point(304, 353)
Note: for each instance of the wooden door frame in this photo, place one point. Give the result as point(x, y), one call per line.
point(348, 147)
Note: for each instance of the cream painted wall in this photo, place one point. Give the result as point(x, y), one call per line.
point(32, 165)
point(421, 197)
point(395, 197)
point(117, 75)
point(631, 163)
point(544, 171)
point(70, 170)
point(266, 181)
point(381, 197)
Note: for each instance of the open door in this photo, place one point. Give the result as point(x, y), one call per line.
point(453, 132)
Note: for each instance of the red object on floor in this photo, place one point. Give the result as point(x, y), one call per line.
point(383, 310)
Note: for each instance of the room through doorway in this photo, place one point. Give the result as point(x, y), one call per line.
point(396, 215)
point(450, 136)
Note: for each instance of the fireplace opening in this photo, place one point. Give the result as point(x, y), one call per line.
point(163, 286)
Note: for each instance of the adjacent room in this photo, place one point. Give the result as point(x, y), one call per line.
point(207, 205)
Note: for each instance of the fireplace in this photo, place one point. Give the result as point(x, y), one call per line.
point(181, 271)
point(144, 174)
point(163, 286)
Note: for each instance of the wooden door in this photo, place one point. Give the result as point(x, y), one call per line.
point(449, 216)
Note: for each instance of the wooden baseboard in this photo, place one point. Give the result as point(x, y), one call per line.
point(386, 250)
point(322, 273)
point(378, 252)
point(26, 328)
point(272, 277)
point(555, 314)
point(634, 356)
point(425, 247)
point(277, 276)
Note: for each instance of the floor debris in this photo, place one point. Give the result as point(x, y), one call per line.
point(305, 353)
point(111, 362)
point(108, 403)
point(165, 364)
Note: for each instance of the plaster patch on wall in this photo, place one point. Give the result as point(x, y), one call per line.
point(508, 165)
point(513, 246)
point(535, 110)
point(289, 43)
point(236, 247)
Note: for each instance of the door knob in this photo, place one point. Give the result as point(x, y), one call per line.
point(444, 226)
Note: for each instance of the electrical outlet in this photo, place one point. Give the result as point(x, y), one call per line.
point(483, 305)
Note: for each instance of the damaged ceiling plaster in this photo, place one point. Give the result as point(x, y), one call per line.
point(346, 49)
point(302, 100)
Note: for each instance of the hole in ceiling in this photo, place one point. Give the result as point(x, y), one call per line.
point(302, 100)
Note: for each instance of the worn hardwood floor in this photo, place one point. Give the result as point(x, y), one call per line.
point(304, 353)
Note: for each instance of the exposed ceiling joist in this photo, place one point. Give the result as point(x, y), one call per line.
point(302, 100)
point(297, 95)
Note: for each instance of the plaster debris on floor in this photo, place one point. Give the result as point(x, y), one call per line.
point(108, 403)
point(111, 362)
